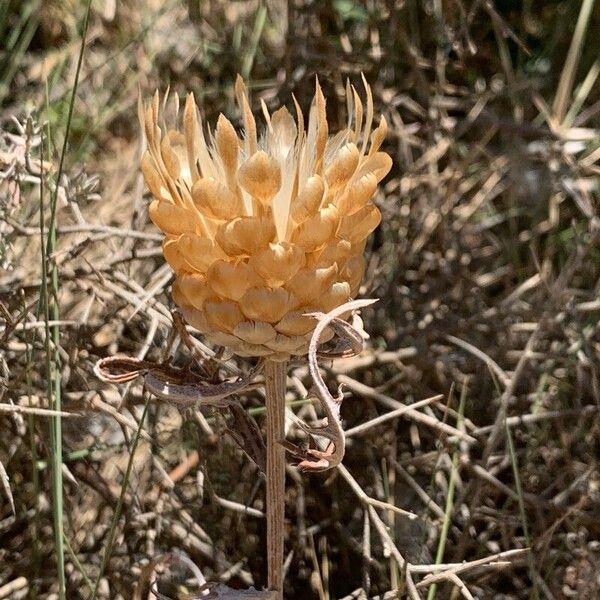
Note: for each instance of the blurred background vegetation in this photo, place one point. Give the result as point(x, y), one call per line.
point(487, 264)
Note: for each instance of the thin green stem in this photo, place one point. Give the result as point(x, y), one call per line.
point(259, 24)
point(439, 556)
point(50, 302)
point(53, 392)
point(78, 564)
point(35, 476)
point(117, 514)
point(63, 152)
point(522, 513)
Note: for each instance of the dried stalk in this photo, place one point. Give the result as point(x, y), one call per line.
point(275, 386)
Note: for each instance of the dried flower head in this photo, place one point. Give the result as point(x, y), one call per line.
point(262, 230)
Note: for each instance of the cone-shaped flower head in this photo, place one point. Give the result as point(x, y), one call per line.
point(261, 230)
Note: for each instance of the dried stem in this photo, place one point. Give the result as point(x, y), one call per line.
point(275, 385)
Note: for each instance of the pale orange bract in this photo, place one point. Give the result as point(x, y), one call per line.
point(260, 230)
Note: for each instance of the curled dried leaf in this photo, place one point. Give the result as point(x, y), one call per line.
point(313, 459)
point(246, 433)
point(182, 387)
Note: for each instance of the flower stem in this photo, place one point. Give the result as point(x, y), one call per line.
point(275, 384)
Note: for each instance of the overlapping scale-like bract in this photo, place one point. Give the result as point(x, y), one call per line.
point(260, 231)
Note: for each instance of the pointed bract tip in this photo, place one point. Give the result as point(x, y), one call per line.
point(240, 86)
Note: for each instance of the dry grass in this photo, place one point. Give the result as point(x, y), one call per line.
point(471, 466)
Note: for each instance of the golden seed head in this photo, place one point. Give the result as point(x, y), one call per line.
point(260, 230)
